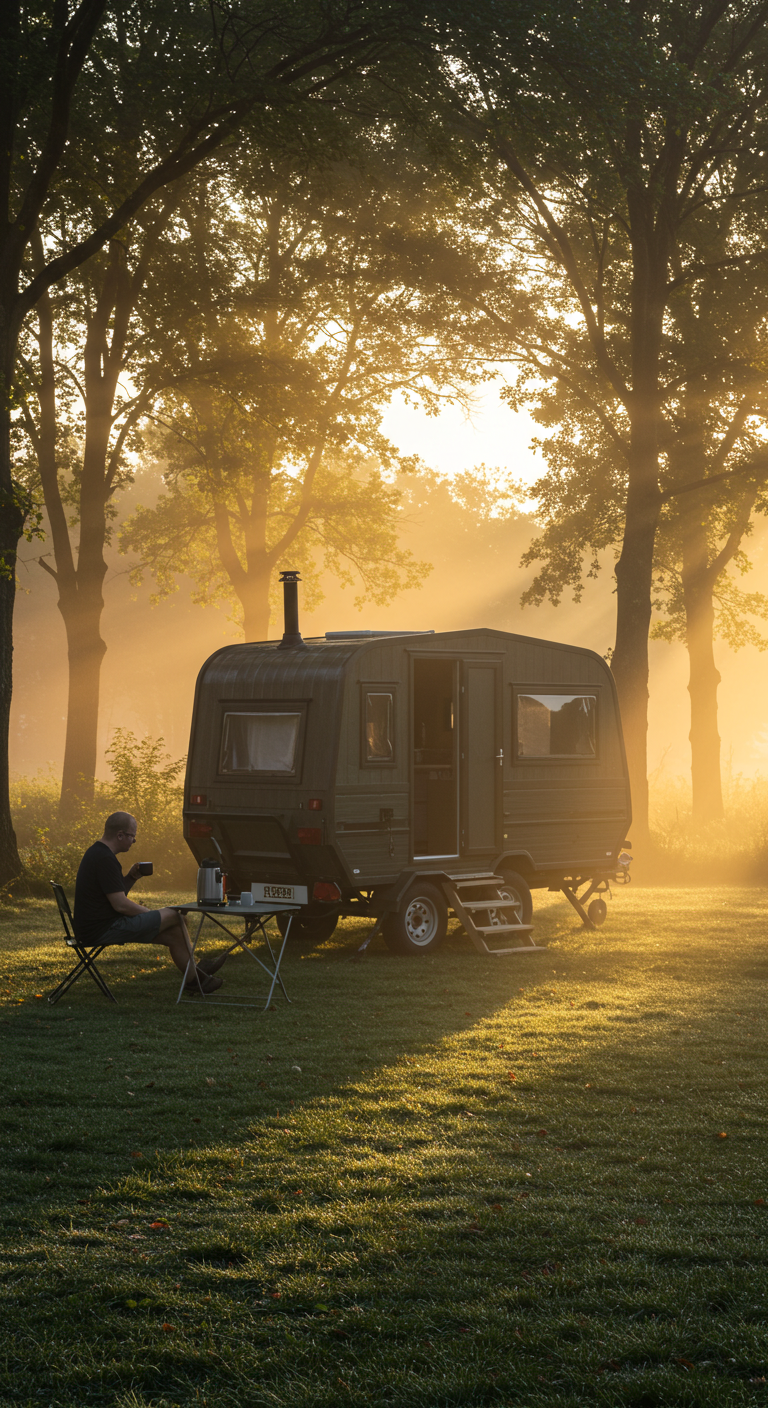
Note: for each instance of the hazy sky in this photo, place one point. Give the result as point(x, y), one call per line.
point(453, 442)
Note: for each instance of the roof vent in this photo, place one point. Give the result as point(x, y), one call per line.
point(364, 635)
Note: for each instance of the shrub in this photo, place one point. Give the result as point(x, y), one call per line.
point(144, 782)
point(731, 850)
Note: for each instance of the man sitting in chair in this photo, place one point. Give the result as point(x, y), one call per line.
point(104, 914)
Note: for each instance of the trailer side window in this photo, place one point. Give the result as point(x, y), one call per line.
point(379, 737)
point(556, 726)
point(259, 742)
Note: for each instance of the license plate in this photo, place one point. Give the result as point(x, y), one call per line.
point(286, 894)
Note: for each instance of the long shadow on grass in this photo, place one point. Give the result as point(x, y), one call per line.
point(424, 1141)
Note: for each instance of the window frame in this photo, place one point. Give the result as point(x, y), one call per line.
point(567, 691)
point(263, 706)
point(377, 687)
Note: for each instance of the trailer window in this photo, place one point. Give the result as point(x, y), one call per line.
point(259, 743)
point(556, 725)
point(379, 727)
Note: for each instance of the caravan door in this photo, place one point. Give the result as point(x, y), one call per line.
point(482, 757)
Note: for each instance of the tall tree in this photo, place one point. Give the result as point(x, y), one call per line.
point(298, 333)
point(122, 99)
point(612, 133)
point(86, 340)
point(712, 464)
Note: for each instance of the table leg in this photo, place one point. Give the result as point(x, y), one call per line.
point(201, 920)
point(277, 978)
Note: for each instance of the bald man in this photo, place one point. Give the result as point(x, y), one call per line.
point(104, 914)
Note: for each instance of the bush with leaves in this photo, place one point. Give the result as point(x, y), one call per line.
point(145, 782)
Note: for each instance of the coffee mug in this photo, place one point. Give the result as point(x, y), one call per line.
point(146, 867)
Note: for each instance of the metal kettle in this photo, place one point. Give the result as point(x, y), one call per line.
point(210, 883)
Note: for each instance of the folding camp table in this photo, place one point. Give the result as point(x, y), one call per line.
point(255, 918)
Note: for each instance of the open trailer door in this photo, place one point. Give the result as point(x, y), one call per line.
point(482, 758)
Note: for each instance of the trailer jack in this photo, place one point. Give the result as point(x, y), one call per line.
point(593, 917)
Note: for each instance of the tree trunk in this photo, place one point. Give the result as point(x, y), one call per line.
point(11, 527)
point(699, 577)
point(86, 649)
point(634, 581)
point(703, 680)
point(634, 569)
point(254, 598)
point(82, 609)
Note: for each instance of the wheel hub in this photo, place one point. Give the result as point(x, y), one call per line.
point(420, 922)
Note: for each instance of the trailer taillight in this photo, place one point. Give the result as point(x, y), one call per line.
point(198, 799)
point(200, 828)
point(326, 890)
point(315, 804)
point(310, 836)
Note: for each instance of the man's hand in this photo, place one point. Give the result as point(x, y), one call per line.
point(123, 905)
point(133, 873)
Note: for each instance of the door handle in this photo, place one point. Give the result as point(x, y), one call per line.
point(500, 757)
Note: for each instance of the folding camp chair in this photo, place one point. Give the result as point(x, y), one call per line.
point(86, 953)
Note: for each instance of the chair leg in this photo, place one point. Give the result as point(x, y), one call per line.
point(86, 964)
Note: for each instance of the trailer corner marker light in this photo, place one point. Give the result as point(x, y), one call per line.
point(200, 828)
point(310, 836)
point(326, 890)
point(198, 799)
point(315, 804)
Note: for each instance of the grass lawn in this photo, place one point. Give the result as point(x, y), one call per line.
point(531, 1180)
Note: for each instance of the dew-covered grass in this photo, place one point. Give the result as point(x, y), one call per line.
point(530, 1180)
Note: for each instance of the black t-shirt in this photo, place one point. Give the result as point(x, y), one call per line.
point(99, 875)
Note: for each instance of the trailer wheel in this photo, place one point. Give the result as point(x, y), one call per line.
point(522, 899)
point(598, 912)
point(313, 928)
point(421, 921)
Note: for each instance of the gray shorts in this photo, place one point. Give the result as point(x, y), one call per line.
point(133, 929)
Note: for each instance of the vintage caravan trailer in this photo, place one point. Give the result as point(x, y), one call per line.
point(405, 775)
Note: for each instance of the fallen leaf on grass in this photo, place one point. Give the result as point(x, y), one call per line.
point(541, 1133)
point(210, 1080)
point(149, 1085)
point(168, 1327)
point(275, 1295)
point(137, 1154)
point(496, 1207)
point(721, 1135)
point(641, 1221)
point(759, 1202)
point(685, 1362)
point(160, 1226)
point(760, 1380)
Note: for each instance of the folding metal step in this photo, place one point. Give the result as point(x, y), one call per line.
point(491, 904)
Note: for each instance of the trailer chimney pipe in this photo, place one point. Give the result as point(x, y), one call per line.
point(291, 635)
